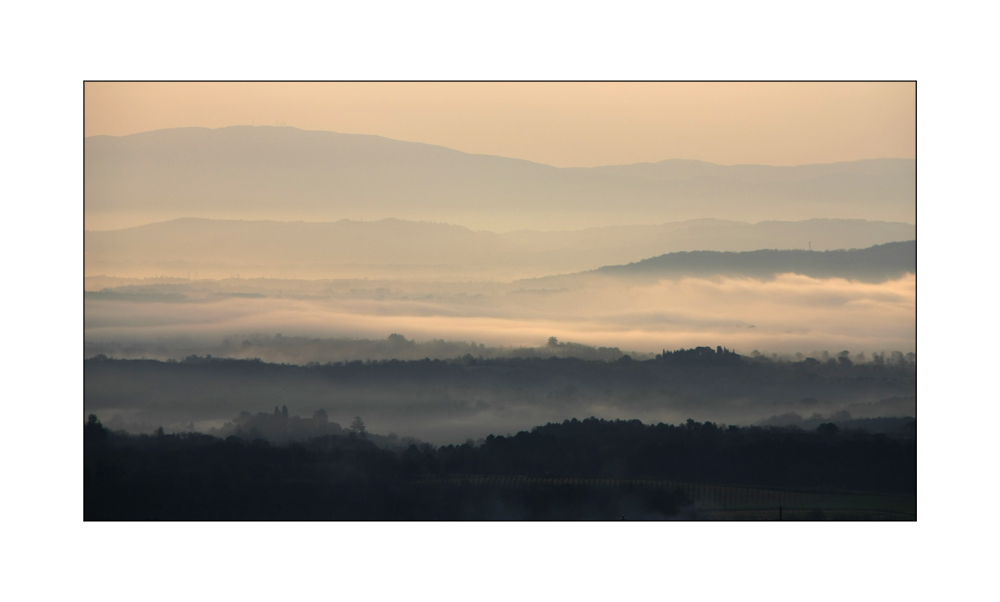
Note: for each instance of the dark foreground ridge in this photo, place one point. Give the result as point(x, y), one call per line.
point(577, 470)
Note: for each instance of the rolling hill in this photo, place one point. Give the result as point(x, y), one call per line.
point(283, 173)
point(873, 264)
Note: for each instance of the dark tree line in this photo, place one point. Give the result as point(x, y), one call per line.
point(698, 365)
point(348, 477)
point(698, 452)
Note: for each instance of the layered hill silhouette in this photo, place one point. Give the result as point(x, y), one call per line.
point(874, 264)
point(318, 248)
point(285, 173)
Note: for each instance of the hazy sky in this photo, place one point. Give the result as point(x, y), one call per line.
point(561, 124)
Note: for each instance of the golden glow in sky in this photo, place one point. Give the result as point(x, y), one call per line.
point(562, 124)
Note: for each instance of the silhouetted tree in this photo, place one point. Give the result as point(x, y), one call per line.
point(358, 425)
point(94, 429)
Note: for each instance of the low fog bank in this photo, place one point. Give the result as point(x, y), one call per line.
point(452, 401)
point(280, 427)
point(784, 314)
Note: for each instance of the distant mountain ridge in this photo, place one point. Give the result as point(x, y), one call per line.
point(290, 174)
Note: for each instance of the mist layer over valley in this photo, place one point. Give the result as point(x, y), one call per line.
point(864, 300)
point(282, 323)
point(481, 357)
point(486, 296)
point(451, 401)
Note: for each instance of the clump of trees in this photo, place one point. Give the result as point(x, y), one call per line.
point(706, 355)
point(279, 426)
